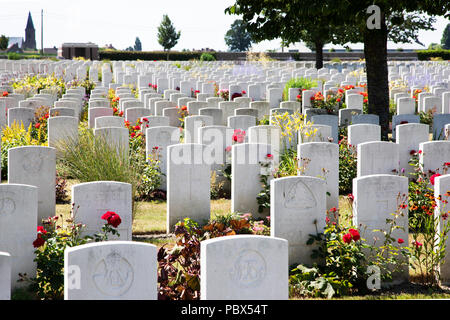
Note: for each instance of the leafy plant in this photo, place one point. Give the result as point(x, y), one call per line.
point(428, 222)
point(343, 257)
point(300, 83)
point(207, 57)
point(179, 268)
point(60, 190)
point(51, 241)
point(347, 166)
point(15, 136)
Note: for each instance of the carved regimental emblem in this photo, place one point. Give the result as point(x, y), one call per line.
point(7, 204)
point(299, 196)
point(249, 269)
point(113, 275)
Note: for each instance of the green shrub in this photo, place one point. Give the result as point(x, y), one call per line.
point(14, 56)
point(428, 54)
point(300, 83)
point(207, 57)
point(92, 159)
point(149, 55)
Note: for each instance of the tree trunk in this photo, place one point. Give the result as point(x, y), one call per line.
point(319, 55)
point(168, 55)
point(375, 52)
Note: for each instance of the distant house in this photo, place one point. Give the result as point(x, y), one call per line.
point(16, 40)
point(14, 48)
point(73, 50)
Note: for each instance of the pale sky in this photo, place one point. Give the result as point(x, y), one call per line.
point(202, 23)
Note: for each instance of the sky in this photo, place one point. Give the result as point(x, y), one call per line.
point(202, 23)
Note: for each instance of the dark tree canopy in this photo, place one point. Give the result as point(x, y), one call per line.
point(137, 44)
point(167, 35)
point(238, 38)
point(4, 42)
point(445, 42)
point(344, 21)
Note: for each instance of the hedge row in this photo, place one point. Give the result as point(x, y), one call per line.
point(149, 55)
point(427, 54)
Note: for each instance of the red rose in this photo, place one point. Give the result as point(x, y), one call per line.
point(355, 234)
point(38, 242)
point(5, 93)
point(133, 134)
point(433, 177)
point(115, 220)
point(145, 119)
point(37, 125)
point(41, 230)
point(269, 156)
point(412, 152)
point(347, 238)
point(400, 240)
point(112, 218)
point(417, 244)
point(107, 215)
point(137, 128)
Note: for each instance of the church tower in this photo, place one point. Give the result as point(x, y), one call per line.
point(30, 34)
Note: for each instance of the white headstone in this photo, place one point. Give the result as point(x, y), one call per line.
point(112, 270)
point(244, 267)
point(18, 225)
point(36, 166)
point(188, 184)
point(297, 209)
point(93, 199)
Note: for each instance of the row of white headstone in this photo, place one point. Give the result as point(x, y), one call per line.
point(237, 267)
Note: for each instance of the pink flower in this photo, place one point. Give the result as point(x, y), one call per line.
point(417, 244)
point(228, 149)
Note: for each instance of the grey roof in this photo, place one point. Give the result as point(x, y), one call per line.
point(72, 44)
point(13, 40)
